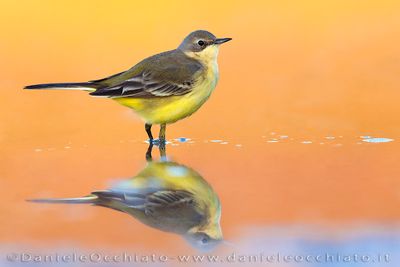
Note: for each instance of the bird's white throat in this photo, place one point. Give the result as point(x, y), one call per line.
point(208, 56)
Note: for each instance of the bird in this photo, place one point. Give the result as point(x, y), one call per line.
point(162, 88)
point(165, 195)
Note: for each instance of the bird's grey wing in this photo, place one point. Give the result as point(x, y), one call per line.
point(149, 198)
point(170, 74)
point(169, 210)
point(155, 202)
point(145, 85)
point(168, 206)
point(167, 199)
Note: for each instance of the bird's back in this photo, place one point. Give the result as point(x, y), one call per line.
point(170, 66)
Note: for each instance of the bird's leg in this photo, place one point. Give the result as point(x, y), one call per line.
point(161, 140)
point(161, 136)
point(147, 127)
point(148, 152)
point(163, 153)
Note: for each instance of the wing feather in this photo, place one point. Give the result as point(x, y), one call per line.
point(167, 74)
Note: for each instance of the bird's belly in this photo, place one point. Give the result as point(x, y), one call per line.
point(170, 109)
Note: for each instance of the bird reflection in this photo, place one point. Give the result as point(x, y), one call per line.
point(167, 196)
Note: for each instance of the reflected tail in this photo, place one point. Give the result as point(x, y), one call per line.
point(90, 199)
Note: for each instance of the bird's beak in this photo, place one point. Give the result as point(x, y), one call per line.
point(221, 40)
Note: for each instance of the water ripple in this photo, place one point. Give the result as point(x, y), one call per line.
point(377, 140)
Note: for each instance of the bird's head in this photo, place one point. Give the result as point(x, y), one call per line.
point(202, 241)
point(205, 237)
point(202, 45)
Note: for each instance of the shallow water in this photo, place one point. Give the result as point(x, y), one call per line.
point(327, 196)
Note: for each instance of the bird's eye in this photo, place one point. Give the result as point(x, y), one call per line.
point(201, 43)
point(204, 240)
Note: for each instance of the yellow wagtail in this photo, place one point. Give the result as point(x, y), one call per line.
point(163, 88)
point(167, 196)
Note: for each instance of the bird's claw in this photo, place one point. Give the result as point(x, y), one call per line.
point(157, 142)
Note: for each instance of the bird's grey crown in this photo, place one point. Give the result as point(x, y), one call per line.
point(190, 42)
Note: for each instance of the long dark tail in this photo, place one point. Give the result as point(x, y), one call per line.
point(90, 199)
point(85, 86)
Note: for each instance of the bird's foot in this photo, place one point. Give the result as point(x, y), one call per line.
point(157, 142)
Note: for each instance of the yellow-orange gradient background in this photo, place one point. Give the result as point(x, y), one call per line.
point(305, 69)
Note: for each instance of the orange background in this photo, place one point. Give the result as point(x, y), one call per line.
point(306, 69)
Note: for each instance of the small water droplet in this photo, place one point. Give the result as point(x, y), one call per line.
point(182, 139)
point(365, 136)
